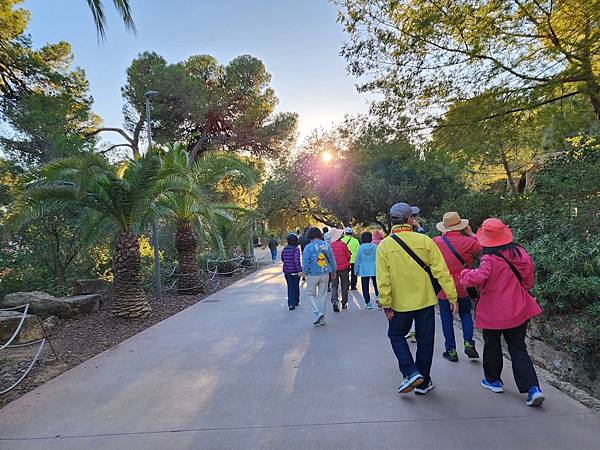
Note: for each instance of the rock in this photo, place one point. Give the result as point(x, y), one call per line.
point(42, 304)
point(102, 287)
point(9, 321)
point(82, 304)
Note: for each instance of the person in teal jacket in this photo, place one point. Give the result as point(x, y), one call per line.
point(318, 264)
point(365, 268)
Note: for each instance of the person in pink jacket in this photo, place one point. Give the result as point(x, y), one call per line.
point(342, 261)
point(504, 277)
point(378, 236)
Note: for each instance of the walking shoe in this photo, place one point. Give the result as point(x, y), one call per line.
point(471, 351)
point(336, 306)
point(494, 386)
point(318, 319)
point(411, 336)
point(369, 306)
point(379, 304)
point(322, 321)
point(409, 383)
point(292, 308)
point(535, 396)
point(451, 355)
point(424, 389)
point(344, 305)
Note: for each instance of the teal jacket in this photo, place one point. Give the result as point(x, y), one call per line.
point(318, 259)
point(364, 266)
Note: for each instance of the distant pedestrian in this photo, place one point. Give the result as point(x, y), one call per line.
point(292, 270)
point(318, 263)
point(273, 243)
point(459, 247)
point(326, 236)
point(303, 239)
point(410, 271)
point(364, 267)
point(378, 236)
point(353, 245)
point(504, 277)
point(342, 262)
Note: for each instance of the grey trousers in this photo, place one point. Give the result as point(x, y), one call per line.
point(342, 281)
point(316, 291)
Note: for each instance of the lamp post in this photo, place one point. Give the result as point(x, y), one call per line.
point(148, 96)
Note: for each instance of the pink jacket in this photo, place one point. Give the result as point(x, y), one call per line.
point(467, 247)
point(342, 255)
point(503, 303)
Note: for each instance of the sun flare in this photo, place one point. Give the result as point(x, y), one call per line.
point(326, 156)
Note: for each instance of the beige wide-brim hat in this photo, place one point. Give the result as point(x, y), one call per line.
point(452, 222)
point(335, 234)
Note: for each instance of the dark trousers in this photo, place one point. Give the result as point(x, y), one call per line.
point(340, 282)
point(293, 288)
point(523, 370)
point(399, 327)
point(464, 312)
point(353, 278)
point(273, 254)
point(364, 284)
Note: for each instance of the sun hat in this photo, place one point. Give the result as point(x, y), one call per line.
point(452, 222)
point(402, 211)
point(348, 230)
point(494, 233)
point(335, 234)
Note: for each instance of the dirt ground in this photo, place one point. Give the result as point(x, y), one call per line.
point(77, 340)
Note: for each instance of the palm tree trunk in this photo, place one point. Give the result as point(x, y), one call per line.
point(129, 299)
point(186, 244)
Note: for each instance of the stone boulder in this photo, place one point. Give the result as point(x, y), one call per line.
point(82, 304)
point(46, 305)
point(102, 287)
point(9, 321)
point(42, 304)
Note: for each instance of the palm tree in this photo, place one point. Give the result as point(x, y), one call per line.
point(122, 6)
point(120, 197)
point(194, 210)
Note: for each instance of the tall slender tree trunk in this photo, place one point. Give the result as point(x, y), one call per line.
point(595, 99)
point(186, 244)
point(129, 299)
point(510, 179)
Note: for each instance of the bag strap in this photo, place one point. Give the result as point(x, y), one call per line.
point(454, 252)
point(512, 267)
point(412, 254)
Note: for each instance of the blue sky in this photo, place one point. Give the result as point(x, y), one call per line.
point(298, 40)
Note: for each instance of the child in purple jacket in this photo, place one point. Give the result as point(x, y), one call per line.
point(292, 269)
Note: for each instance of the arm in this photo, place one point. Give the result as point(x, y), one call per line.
point(305, 259)
point(439, 269)
point(331, 258)
point(476, 277)
point(384, 281)
point(297, 260)
point(357, 261)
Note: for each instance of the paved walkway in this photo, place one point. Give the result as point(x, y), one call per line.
point(240, 371)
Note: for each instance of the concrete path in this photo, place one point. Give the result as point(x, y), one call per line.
point(240, 371)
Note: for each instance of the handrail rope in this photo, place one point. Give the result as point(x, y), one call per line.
point(12, 308)
point(18, 329)
point(35, 358)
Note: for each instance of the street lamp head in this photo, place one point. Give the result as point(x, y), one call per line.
point(151, 94)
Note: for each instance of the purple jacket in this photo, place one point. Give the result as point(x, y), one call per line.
point(290, 256)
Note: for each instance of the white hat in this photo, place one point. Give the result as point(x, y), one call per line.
point(335, 234)
point(348, 230)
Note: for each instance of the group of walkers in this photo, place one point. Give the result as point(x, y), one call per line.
point(410, 274)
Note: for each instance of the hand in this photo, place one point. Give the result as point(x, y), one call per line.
point(469, 231)
point(416, 223)
point(332, 276)
point(301, 274)
point(389, 313)
point(454, 308)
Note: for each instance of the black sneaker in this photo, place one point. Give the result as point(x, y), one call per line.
point(292, 308)
point(471, 351)
point(336, 307)
point(344, 305)
point(424, 388)
point(451, 355)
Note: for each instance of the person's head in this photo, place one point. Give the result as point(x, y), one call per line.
point(452, 222)
point(292, 239)
point(348, 231)
point(366, 237)
point(403, 213)
point(325, 230)
point(272, 236)
point(314, 233)
point(495, 236)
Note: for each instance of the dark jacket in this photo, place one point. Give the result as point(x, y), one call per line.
point(304, 241)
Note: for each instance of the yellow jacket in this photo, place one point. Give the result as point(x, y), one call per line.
point(403, 284)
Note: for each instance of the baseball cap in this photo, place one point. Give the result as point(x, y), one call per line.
point(348, 230)
point(401, 211)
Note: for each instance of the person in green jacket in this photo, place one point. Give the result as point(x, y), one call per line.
point(353, 245)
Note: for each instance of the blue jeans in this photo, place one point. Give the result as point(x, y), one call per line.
point(399, 327)
point(293, 288)
point(274, 254)
point(464, 312)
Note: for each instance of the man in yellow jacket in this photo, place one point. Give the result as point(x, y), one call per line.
point(406, 293)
